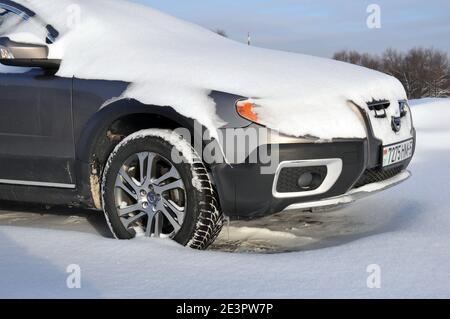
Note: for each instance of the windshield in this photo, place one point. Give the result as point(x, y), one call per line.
point(11, 21)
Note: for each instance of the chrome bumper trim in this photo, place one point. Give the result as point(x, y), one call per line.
point(354, 194)
point(37, 184)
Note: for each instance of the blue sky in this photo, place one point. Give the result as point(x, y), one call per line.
point(320, 27)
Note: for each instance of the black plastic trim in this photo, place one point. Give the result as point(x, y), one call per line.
point(246, 193)
point(51, 64)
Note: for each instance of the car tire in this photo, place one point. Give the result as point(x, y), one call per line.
point(130, 199)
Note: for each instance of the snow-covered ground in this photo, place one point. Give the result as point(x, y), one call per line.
point(406, 231)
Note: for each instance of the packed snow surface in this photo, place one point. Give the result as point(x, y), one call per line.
point(175, 63)
point(405, 231)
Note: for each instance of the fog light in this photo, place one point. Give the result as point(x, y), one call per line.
point(305, 180)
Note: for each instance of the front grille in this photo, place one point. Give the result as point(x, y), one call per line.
point(378, 175)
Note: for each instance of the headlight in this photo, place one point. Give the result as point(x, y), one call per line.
point(248, 110)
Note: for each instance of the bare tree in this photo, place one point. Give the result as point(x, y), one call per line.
point(371, 62)
point(423, 72)
point(354, 57)
point(438, 73)
point(221, 32)
point(427, 70)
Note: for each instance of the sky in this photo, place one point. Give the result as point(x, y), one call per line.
point(320, 27)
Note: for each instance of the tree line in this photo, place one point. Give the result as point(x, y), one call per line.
point(423, 72)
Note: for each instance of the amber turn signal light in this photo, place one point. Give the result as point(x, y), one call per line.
point(246, 109)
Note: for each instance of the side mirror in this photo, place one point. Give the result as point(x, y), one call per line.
point(26, 55)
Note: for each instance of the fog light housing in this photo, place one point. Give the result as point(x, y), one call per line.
point(301, 179)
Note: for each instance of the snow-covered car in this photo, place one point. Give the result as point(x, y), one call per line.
point(95, 95)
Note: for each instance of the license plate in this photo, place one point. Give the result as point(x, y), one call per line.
point(396, 153)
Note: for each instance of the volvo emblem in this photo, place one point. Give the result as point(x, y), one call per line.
point(152, 198)
point(396, 124)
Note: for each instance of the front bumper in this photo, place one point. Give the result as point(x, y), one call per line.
point(354, 194)
point(245, 193)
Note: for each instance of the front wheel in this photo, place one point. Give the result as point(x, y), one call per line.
point(147, 192)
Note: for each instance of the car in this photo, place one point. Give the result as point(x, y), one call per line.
point(68, 140)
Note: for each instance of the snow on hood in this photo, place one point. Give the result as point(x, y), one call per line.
point(176, 63)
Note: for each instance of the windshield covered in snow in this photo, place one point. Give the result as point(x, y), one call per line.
point(10, 21)
point(21, 27)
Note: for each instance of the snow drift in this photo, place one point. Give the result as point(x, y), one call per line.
point(172, 62)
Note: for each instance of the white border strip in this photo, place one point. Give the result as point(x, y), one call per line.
point(37, 184)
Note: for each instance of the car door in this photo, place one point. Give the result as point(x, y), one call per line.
point(36, 131)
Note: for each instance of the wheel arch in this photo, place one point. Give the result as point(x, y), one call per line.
point(107, 128)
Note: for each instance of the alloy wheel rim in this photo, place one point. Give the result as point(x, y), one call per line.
point(150, 196)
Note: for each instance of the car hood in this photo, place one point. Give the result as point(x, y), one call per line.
point(176, 63)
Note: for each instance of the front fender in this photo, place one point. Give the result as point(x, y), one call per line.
point(97, 126)
point(94, 144)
